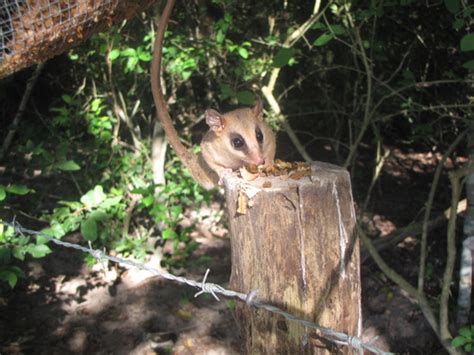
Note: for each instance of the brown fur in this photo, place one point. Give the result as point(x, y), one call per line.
point(217, 150)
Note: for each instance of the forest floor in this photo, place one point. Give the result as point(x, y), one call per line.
point(64, 306)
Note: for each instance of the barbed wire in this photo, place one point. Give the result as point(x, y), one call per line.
point(250, 299)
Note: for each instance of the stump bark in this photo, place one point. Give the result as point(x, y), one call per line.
point(296, 245)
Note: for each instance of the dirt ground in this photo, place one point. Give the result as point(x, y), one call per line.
point(63, 306)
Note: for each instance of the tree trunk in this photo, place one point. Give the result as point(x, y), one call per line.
point(158, 154)
point(297, 247)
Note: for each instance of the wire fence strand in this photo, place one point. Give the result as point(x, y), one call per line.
point(203, 286)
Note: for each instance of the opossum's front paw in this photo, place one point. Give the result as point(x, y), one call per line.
point(222, 173)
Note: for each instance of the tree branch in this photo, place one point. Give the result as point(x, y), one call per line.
point(368, 102)
point(405, 285)
point(412, 230)
point(456, 178)
point(267, 90)
point(429, 204)
point(21, 110)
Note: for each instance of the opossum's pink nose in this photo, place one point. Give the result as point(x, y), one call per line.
point(256, 158)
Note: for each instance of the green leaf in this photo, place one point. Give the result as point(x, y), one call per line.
point(169, 234)
point(56, 231)
point(39, 250)
point(226, 92)
point(98, 215)
point(19, 252)
point(469, 65)
point(144, 56)
point(9, 276)
point(186, 74)
point(469, 348)
point(129, 52)
point(148, 200)
point(68, 165)
point(67, 99)
point(18, 272)
point(338, 29)
point(111, 202)
point(245, 97)
point(41, 240)
point(323, 39)
point(89, 229)
point(243, 52)
point(453, 6)
point(176, 211)
point(465, 332)
point(458, 341)
point(18, 189)
point(3, 193)
point(467, 42)
point(95, 104)
point(283, 57)
point(141, 191)
point(319, 26)
point(132, 63)
point(114, 54)
point(220, 36)
point(94, 197)
point(74, 205)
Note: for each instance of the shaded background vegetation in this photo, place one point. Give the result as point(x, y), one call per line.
point(382, 88)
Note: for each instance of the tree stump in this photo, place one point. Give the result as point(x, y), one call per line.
point(295, 245)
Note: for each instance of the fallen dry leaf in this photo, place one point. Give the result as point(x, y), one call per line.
point(242, 203)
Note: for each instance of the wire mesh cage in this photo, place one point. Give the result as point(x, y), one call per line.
point(32, 31)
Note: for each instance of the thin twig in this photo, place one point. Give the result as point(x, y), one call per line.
point(21, 110)
point(119, 108)
point(368, 102)
point(417, 85)
point(457, 182)
point(380, 159)
point(429, 205)
point(407, 287)
point(268, 90)
point(412, 230)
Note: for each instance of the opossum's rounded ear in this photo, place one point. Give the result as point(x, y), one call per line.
point(257, 110)
point(214, 120)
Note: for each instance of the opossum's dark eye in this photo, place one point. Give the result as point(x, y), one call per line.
point(237, 141)
point(259, 135)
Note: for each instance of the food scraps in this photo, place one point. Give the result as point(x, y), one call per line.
point(285, 170)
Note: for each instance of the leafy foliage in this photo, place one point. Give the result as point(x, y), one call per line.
point(465, 339)
point(16, 247)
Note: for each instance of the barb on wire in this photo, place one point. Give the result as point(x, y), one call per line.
point(206, 287)
point(98, 255)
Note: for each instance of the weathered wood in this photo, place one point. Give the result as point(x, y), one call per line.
point(296, 246)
